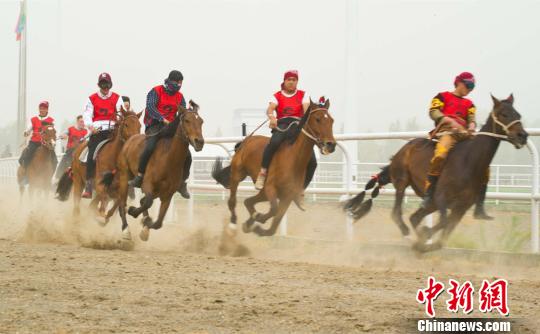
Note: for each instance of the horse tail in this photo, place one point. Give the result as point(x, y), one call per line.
point(356, 206)
point(220, 174)
point(107, 179)
point(64, 186)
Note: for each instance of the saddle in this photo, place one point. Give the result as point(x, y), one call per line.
point(84, 154)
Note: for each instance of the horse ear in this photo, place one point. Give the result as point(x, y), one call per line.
point(510, 99)
point(327, 104)
point(496, 102)
point(139, 114)
point(193, 106)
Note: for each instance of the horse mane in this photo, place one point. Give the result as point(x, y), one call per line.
point(170, 129)
point(295, 130)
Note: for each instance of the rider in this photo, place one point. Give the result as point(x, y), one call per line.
point(74, 135)
point(290, 104)
point(162, 104)
point(34, 129)
point(127, 103)
point(99, 116)
point(454, 117)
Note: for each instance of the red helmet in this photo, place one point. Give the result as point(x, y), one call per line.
point(467, 78)
point(104, 77)
point(44, 104)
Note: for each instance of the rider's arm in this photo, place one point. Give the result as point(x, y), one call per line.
point(270, 114)
point(471, 117)
point(183, 102)
point(435, 110)
point(120, 104)
point(28, 129)
point(88, 113)
point(151, 106)
point(305, 102)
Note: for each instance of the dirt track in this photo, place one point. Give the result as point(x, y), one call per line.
point(50, 283)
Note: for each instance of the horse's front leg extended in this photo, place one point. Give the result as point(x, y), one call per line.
point(280, 212)
point(145, 232)
point(146, 203)
point(250, 206)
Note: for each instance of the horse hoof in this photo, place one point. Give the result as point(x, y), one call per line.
point(131, 212)
point(126, 235)
point(145, 233)
point(231, 229)
point(102, 221)
point(147, 221)
point(249, 225)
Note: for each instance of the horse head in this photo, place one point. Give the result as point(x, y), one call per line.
point(48, 135)
point(191, 125)
point(317, 125)
point(128, 123)
point(505, 120)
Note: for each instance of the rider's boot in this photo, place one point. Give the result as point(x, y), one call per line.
point(87, 190)
point(479, 209)
point(431, 184)
point(137, 181)
point(261, 178)
point(183, 190)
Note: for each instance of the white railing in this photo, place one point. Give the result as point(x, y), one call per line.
point(351, 179)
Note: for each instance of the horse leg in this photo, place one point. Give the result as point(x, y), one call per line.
point(451, 222)
point(111, 211)
point(146, 203)
point(145, 232)
point(397, 211)
point(279, 213)
point(122, 203)
point(249, 203)
point(418, 215)
point(77, 192)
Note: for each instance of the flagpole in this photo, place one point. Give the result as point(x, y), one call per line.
point(21, 114)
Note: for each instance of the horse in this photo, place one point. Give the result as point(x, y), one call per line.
point(285, 181)
point(459, 184)
point(164, 171)
point(40, 170)
point(127, 126)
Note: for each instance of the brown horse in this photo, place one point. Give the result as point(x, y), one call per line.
point(287, 171)
point(127, 126)
point(164, 171)
point(460, 182)
point(40, 170)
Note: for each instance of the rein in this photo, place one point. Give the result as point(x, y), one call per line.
point(493, 134)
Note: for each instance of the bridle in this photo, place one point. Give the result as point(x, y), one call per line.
point(183, 133)
point(306, 130)
point(121, 125)
point(503, 126)
point(47, 144)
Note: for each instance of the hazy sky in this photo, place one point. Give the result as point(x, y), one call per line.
point(233, 53)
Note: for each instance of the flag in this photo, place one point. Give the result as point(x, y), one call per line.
point(21, 23)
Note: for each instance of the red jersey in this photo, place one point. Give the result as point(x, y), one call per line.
point(37, 125)
point(167, 105)
point(290, 106)
point(458, 108)
point(75, 135)
point(104, 109)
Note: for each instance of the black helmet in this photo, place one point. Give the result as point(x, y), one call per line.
point(175, 76)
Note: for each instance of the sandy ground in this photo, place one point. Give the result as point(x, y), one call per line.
point(60, 275)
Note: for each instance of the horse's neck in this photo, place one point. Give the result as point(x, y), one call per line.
point(116, 139)
point(303, 149)
point(484, 148)
point(176, 148)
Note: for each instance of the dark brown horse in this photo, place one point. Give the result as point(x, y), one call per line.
point(285, 181)
point(164, 171)
point(460, 182)
point(40, 170)
point(127, 126)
